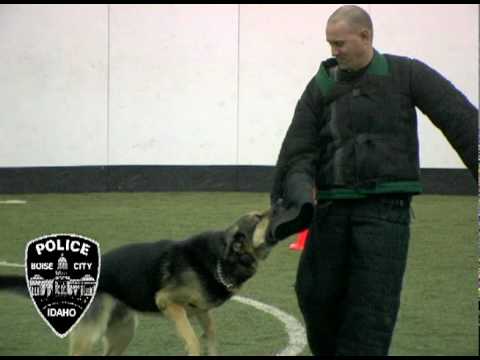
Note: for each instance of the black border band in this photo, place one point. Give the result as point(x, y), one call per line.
point(80, 179)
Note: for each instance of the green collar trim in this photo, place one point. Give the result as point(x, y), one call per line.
point(378, 66)
point(324, 81)
point(397, 187)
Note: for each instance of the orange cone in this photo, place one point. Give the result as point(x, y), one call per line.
point(301, 240)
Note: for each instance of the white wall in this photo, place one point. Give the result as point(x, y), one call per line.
point(53, 69)
point(173, 76)
point(192, 84)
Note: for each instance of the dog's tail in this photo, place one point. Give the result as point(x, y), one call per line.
point(14, 283)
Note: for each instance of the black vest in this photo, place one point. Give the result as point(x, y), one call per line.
point(367, 130)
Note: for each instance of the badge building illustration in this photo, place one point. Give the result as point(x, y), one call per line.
point(62, 285)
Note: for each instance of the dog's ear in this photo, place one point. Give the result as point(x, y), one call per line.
point(234, 241)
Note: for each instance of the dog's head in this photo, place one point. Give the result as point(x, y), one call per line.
point(245, 244)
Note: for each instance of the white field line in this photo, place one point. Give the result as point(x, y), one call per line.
point(297, 339)
point(6, 263)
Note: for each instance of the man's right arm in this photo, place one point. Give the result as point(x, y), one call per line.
point(300, 145)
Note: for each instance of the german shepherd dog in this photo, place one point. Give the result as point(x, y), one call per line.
point(180, 279)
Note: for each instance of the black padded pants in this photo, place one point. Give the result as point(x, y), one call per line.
point(350, 274)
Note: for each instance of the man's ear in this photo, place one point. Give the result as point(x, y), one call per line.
point(366, 35)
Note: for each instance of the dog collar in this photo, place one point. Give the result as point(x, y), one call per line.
point(221, 277)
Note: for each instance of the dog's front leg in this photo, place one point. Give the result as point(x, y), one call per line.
point(208, 326)
point(179, 315)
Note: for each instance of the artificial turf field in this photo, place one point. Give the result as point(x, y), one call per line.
point(439, 311)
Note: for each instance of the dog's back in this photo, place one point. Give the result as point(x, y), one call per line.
point(133, 273)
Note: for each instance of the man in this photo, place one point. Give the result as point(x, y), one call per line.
point(348, 167)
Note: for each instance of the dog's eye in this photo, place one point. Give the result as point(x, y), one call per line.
point(237, 246)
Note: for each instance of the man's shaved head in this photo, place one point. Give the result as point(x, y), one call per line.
point(350, 34)
point(355, 16)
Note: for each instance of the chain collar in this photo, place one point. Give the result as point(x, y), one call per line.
point(221, 277)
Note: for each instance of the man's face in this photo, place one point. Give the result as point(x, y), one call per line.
point(349, 45)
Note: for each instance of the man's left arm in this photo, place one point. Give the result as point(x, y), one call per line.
point(449, 110)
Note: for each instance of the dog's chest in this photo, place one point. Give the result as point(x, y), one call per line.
point(194, 292)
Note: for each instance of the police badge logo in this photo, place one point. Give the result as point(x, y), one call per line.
point(62, 273)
